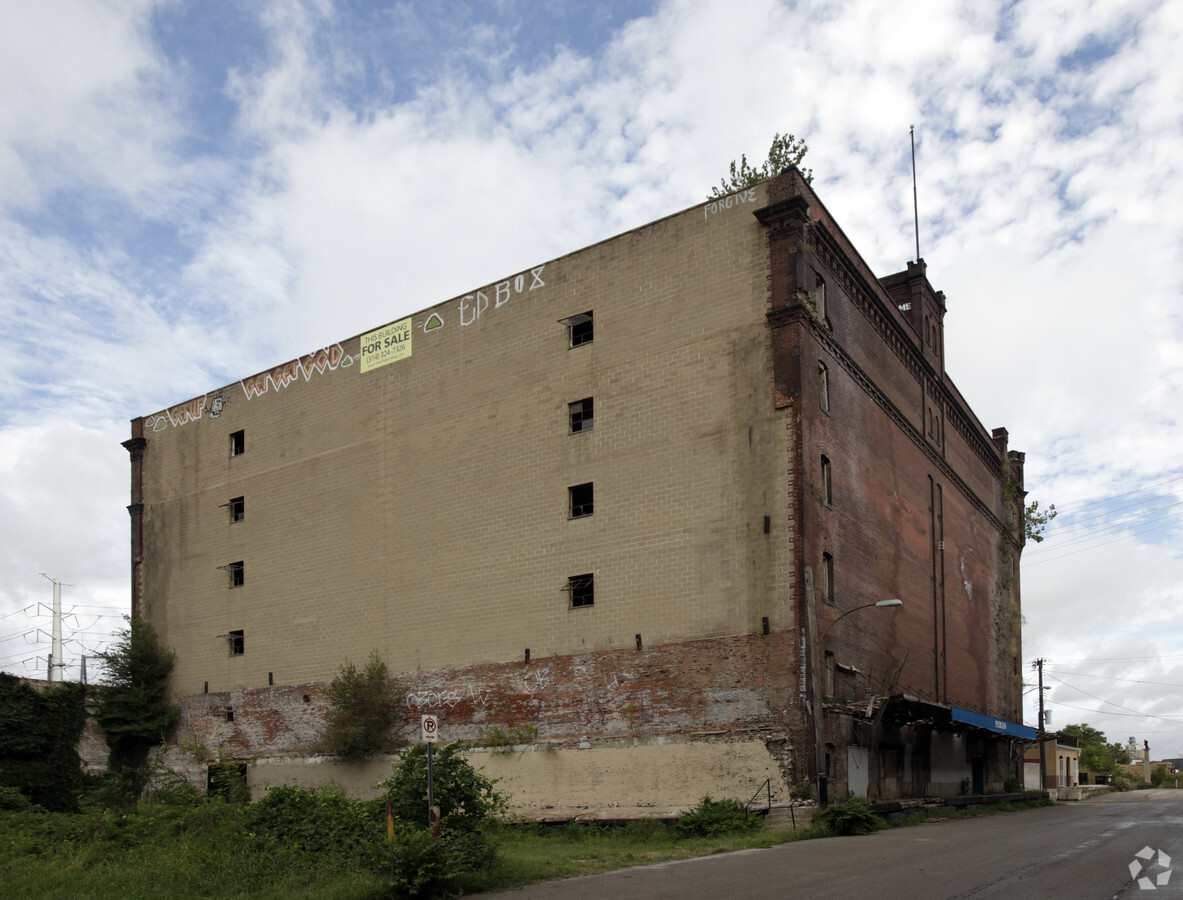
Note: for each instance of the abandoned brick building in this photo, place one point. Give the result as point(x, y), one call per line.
point(637, 507)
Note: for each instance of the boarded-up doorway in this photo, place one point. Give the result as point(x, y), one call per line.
point(856, 771)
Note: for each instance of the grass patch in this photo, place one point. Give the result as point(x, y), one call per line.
point(219, 849)
point(212, 850)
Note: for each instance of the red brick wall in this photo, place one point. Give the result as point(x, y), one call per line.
point(740, 688)
point(898, 492)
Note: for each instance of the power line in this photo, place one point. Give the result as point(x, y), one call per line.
point(1102, 712)
point(1082, 523)
point(1124, 537)
point(1111, 703)
point(1115, 678)
point(1122, 524)
point(1086, 659)
point(1087, 503)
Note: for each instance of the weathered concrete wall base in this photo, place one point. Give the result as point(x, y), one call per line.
point(646, 776)
point(666, 774)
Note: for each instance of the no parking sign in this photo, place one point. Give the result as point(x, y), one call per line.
point(430, 726)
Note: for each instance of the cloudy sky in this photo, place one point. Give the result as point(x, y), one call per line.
point(191, 192)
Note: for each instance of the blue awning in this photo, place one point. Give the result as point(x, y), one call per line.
point(992, 724)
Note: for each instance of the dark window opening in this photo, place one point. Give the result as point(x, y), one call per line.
point(581, 415)
point(818, 297)
point(237, 509)
point(237, 574)
point(828, 578)
point(581, 500)
point(226, 780)
point(583, 590)
point(580, 328)
point(238, 443)
point(237, 643)
point(823, 387)
point(827, 489)
point(229, 715)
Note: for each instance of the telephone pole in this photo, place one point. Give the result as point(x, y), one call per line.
point(1039, 730)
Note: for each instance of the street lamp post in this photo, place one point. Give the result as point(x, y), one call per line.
point(818, 693)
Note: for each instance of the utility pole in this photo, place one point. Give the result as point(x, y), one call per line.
point(56, 662)
point(1039, 730)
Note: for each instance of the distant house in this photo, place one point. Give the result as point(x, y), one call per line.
point(1058, 757)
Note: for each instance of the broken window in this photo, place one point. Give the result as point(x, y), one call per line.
point(581, 415)
point(581, 500)
point(582, 589)
point(579, 328)
point(826, 487)
point(237, 643)
point(823, 387)
point(237, 509)
point(238, 443)
point(828, 578)
point(818, 296)
point(226, 780)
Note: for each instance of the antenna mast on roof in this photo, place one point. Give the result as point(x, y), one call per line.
point(915, 208)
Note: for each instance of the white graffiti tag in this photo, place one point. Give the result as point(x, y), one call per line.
point(472, 305)
point(709, 209)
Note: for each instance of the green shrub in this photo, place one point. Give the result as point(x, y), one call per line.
point(364, 710)
point(1012, 786)
point(465, 797)
point(712, 818)
point(503, 740)
point(418, 866)
point(316, 821)
point(133, 709)
point(1123, 782)
point(12, 800)
point(852, 817)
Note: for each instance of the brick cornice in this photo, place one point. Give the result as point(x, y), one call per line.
point(866, 300)
point(872, 390)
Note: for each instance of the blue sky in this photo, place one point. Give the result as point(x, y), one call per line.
point(192, 192)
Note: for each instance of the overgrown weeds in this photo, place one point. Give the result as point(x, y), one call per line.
point(855, 816)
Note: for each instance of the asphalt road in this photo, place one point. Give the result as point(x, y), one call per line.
point(1074, 851)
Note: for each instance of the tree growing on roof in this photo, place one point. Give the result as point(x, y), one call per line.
point(786, 151)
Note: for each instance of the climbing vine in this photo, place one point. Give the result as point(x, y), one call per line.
point(1033, 521)
point(39, 732)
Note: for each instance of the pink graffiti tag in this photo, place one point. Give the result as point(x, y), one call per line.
point(328, 358)
point(279, 377)
point(283, 375)
point(189, 411)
